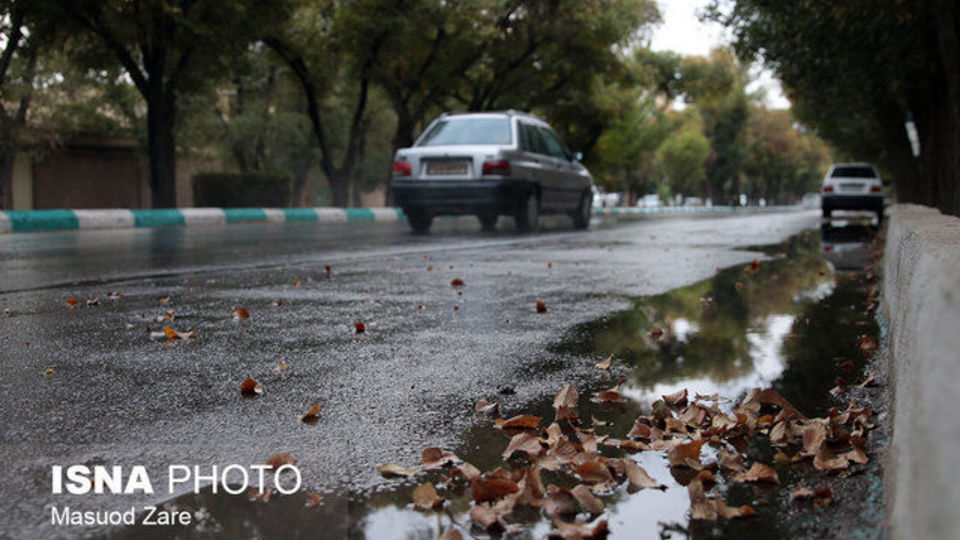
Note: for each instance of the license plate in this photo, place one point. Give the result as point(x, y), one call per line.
point(444, 168)
point(851, 187)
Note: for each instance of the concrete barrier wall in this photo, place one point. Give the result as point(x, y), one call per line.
point(921, 287)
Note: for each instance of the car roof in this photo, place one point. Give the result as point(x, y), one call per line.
point(853, 164)
point(507, 113)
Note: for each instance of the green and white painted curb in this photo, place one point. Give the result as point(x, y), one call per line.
point(68, 220)
point(65, 220)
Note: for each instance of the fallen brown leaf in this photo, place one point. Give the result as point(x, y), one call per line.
point(434, 458)
point(588, 501)
point(541, 306)
point(638, 477)
point(359, 327)
point(241, 313)
point(827, 461)
point(758, 473)
point(578, 531)
point(251, 388)
point(425, 497)
point(522, 421)
point(450, 534)
point(486, 489)
point(687, 455)
point(394, 470)
point(559, 502)
point(164, 301)
point(656, 332)
point(173, 335)
point(484, 406)
point(593, 472)
point(605, 364)
point(313, 414)
point(676, 399)
point(278, 460)
point(524, 442)
point(313, 500)
point(457, 282)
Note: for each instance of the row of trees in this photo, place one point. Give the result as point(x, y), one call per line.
point(335, 86)
point(858, 70)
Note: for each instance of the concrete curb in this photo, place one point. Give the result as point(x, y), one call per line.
point(921, 294)
point(66, 220)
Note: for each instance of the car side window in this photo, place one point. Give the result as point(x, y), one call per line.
point(554, 146)
point(531, 140)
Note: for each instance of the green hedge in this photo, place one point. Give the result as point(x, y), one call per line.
point(238, 190)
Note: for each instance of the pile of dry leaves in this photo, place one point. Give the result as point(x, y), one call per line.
point(680, 427)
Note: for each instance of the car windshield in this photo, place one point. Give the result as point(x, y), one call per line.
point(853, 172)
point(461, 131)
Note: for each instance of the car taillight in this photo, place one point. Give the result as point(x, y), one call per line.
point(875, 189)
point(402, 168)
point(500, 167)
point(827, 188)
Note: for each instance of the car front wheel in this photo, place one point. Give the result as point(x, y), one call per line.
point(527, 214)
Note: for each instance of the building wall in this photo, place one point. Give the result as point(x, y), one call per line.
point(90, 173)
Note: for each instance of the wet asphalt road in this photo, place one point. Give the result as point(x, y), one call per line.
point(116, 397)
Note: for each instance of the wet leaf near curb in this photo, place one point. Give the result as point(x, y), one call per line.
point(393, 470)
point(311, 416)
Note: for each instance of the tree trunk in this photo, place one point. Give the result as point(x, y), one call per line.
point(161, 146)
point(911, 186)
point(947, 21)
point(339, 189)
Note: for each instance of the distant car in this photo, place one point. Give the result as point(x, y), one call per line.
point(602, 199)
point(491, 164)
point(649, 201)
point(852, 186)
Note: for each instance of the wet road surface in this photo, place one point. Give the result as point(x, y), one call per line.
point(410, 381)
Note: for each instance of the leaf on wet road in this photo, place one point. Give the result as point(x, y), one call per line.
point(605, 364)
point(484, 406)
point(758, 473)
point(241, 313)
point(313, 500)
point(359, 327)
point(522, 421)
point(565, 404)
point(173, 335)
point(484, 489)
point(435, 458)
point(311, 416)
point(638, 477)
point(457, 282)
point(676, 399)
point(541, 306)
point(393, 470)
point(588, 501)
point(610, 395)
point(251, 388)
point(425, 497)
point(73, 303)
point(578, 531)
point(283, 458)
point(525, 442)
point(686, 455)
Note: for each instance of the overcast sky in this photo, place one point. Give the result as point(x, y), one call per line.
point(683, 32)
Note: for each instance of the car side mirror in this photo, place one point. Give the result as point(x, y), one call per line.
point(578, 156)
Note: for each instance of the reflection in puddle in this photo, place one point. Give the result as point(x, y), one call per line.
point(783, 324)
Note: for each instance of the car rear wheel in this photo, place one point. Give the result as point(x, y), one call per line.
point(583, 212)
point(488, 221)
point(419, 220)
point(527, 214)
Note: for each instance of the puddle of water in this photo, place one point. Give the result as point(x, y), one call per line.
point(791, 324)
